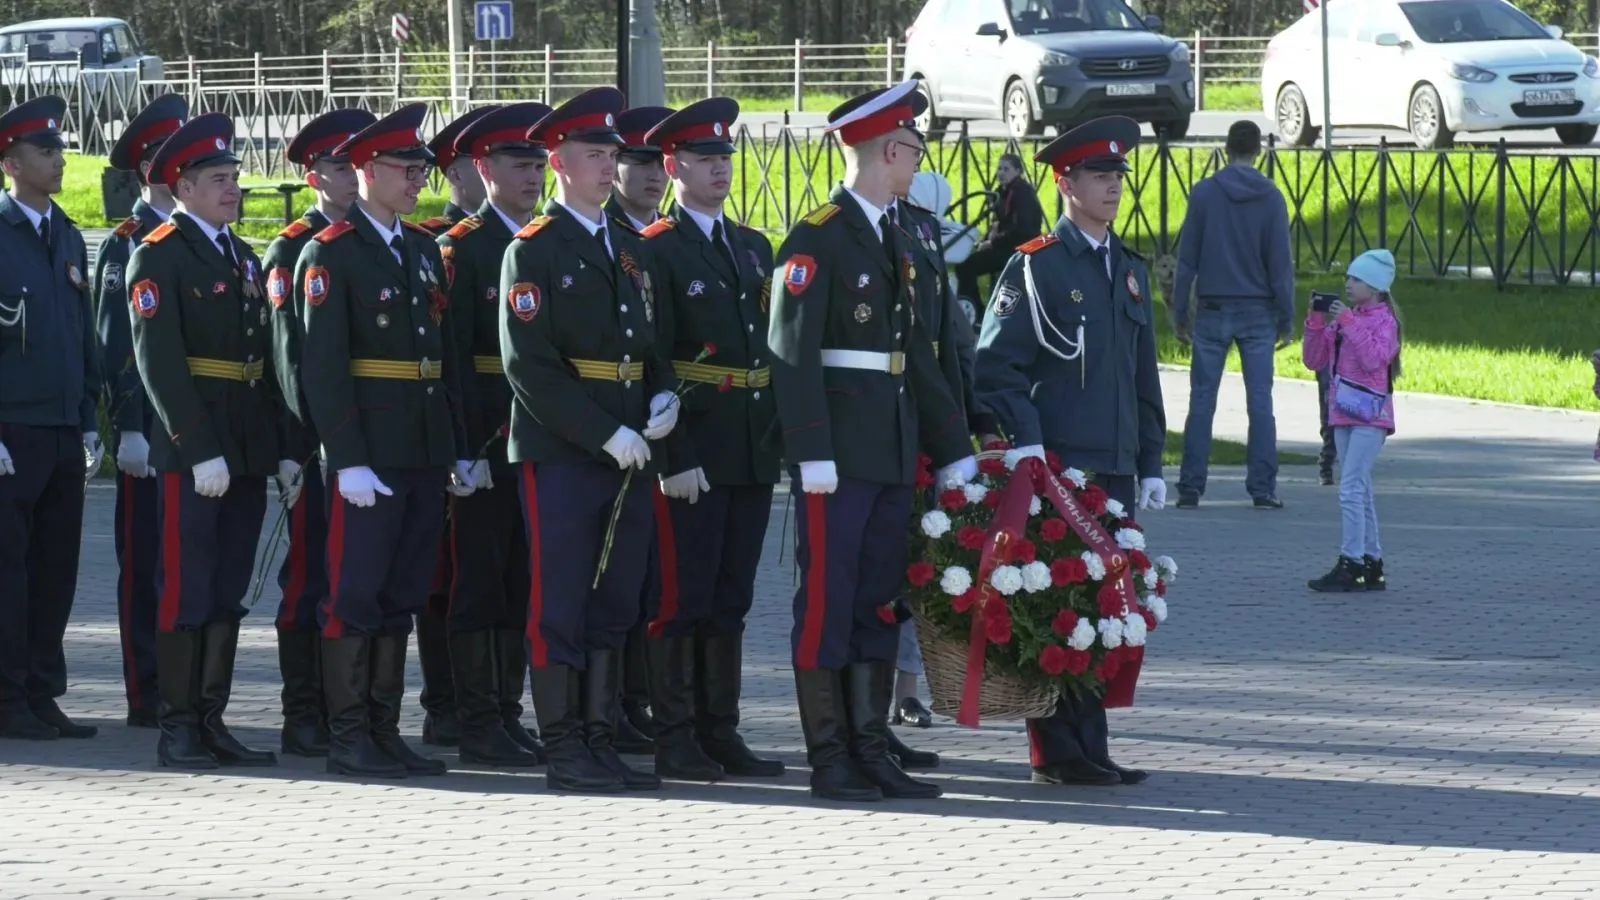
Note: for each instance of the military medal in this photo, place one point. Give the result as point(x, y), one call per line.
point(863, 280)
point(1077, 296)
point(383, 320)
point(250, 289)
point(385, 294)
point(863, 311)
point(220, 287)
point(1133, 288)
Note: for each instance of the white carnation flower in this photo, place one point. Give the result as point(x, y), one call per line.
point(975, 492)
point(1134, 630)
point(1076, 476)
point(935, 524)
point(1035, 577)
point(956, 581)
point(1035, 505)
point(1082, 637)
point(1097, 567)
point(1110, 633)
point(1151, 576)
point(1012, 457)
point(1168, 567)
point(1115, 508)
point(1006, 579)
point(1157, 606)
point(1130, 539)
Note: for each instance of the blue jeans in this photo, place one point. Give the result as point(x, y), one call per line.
point(1358, 450)
point(909, 657)
point(1217, 327)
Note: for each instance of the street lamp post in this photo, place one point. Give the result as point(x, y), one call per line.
point(623, 41)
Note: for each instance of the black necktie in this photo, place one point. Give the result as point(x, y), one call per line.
point(720, 239)
point(1104, 252)
point(226, 247)
point(885, 229)
point(398, 244)
point(44, 231)
point(600, 235)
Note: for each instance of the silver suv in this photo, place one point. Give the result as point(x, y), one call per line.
point(1033, 63)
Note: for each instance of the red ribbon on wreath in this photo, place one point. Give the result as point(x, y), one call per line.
point(1010, 523)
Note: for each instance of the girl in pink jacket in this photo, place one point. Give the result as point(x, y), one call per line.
point(1360, 344)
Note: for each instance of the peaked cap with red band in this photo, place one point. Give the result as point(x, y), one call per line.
point(634, 125)
point(1100, 145)
point(444, 144)
point(37, 122)
point(399, 134)
point(705, 126)
point(203, 141)
point(148, 131)
point(876, 113)
point(504, 130)
point(589, 118)
point(323, 135)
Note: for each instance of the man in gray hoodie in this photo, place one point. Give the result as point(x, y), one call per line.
point(1234, 255)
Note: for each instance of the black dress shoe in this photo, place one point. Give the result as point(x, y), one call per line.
point(25, 726)
point(143, 718)
point(910, 712)
point(1267, 503)
point(1188, 501)
point(49, 713)
point(909, 759)
point(1077, 772)
point(1130, 776)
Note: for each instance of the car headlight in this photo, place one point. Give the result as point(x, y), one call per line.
point(1058, 59)
point(1180, 53)
point(1474, 74)
point(1591, 67)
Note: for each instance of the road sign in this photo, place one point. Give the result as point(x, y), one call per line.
point(492, 20)
point(400, 27)
point(1309, 5)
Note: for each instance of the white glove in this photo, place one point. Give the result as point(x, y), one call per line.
point(360, 486)
point(133, 455)
point(959, 472)
point(211, 478)
point(686, 485)
point(628, 448)
point(1034, 450)
point(92, 453)
point(819, 477)
point(482, 479)
point(461, 483)
point(6, 466)
point(1152, 493)
point(289, 483)
point(663, 415)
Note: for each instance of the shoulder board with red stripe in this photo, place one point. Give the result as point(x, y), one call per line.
point(464, 227)
point(334, 232)
point(162, 232)
point(1038, 243)
point(533, 228)
point(434, 225)
point(821, 214)
point(128, 227)
point(424, 229)
point(659, 226)
point(294, 229)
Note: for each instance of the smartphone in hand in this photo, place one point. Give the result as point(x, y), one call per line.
point(1321, 301)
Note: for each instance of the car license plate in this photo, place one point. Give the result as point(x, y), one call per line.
point(1145, 90)
point(1550, 97)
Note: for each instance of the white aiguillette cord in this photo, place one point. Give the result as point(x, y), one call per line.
point(1040, 321)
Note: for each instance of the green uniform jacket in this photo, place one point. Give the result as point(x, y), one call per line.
point(837, 290)
point(288, 329)
point(361, 305)
point(187, 302)
point(1101, 411)
point(566, 301)
point(126, 406)
point(473, 251)
point(729, 432)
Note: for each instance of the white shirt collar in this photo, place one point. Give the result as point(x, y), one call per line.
point(210, 233)
point(706, 222)
point(638, 225)
point(588, 224)
point(514, 226)
point(34, 216)
point(385, 233)
point(874, 213)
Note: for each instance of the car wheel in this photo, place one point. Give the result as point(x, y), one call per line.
point(1172, 129)
point(930, 123)
point(1020, 120)
point(1294, 117)
point(1577, 135)
point(1426, 117)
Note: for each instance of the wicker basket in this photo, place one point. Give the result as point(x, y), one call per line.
point(1003, 697)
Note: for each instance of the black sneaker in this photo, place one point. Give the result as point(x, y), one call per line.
point(1268, 503)
point(1374, 573)
point(1346, 576)
point(1188, 501)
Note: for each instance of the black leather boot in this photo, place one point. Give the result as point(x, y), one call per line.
point(826, 723)
point(219, 644)
point(719, 674)
point(511, 664)
point(346, 682)
point(305, 720)
point(908, 758)
point(636, 696)
point(602, 686)
point(678, 753)
point(570, 765)
point(383, 705)
point(1095, 735)
point(483, 734)
point(870, 689)
point(48, 712)
point(441, 726)
point(178, 686)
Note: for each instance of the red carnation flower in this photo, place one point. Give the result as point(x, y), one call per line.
point(953, 499)
point(1054, 530)
point(710, 349)
point(1110, 600)
point(1069, 571)
point(971, 537)
point(1053, 660)
point(963, 603)
point(725, 385)
point(886, 613)
point(998, 628)
point(1054, 462)
point(994, 467)
point(1077, 661)
point(1025, 552)
point(920, 574)
point(1110, 664)
point(1149, 619)
point(1066, 620)
point(924, 479)
point(1095, 499)
point(924, 460)
point(1161, 587)
point(992, 499)
point(1139, 559)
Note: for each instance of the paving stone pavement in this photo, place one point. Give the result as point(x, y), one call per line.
point(1440, 740)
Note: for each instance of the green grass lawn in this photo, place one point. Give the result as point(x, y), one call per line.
point(1225, 453)
point(1231, 96)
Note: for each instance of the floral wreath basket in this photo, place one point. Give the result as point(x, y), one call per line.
point(1026, 582)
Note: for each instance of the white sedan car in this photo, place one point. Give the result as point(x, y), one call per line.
point(1433, 68)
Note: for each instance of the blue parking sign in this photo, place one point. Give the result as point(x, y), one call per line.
point(492, 20)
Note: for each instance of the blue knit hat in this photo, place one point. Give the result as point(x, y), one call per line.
point(1375, 268)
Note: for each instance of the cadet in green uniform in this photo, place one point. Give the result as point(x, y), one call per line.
point(467, 190)
point(382, 387)
point(49, 387)
point(859, 392)
point(713, 278)
point(201, 336)
point(135, 538)
point(577, 338)
point(303, 577)
point(1067, 360)
point(488, 609)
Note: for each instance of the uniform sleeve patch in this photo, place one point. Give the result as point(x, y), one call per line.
point(111, 276)
point(524, 300)
point(798, 273)
point(317, 283)
point(1005, 300)
point(278, 286)
point(146, 298)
